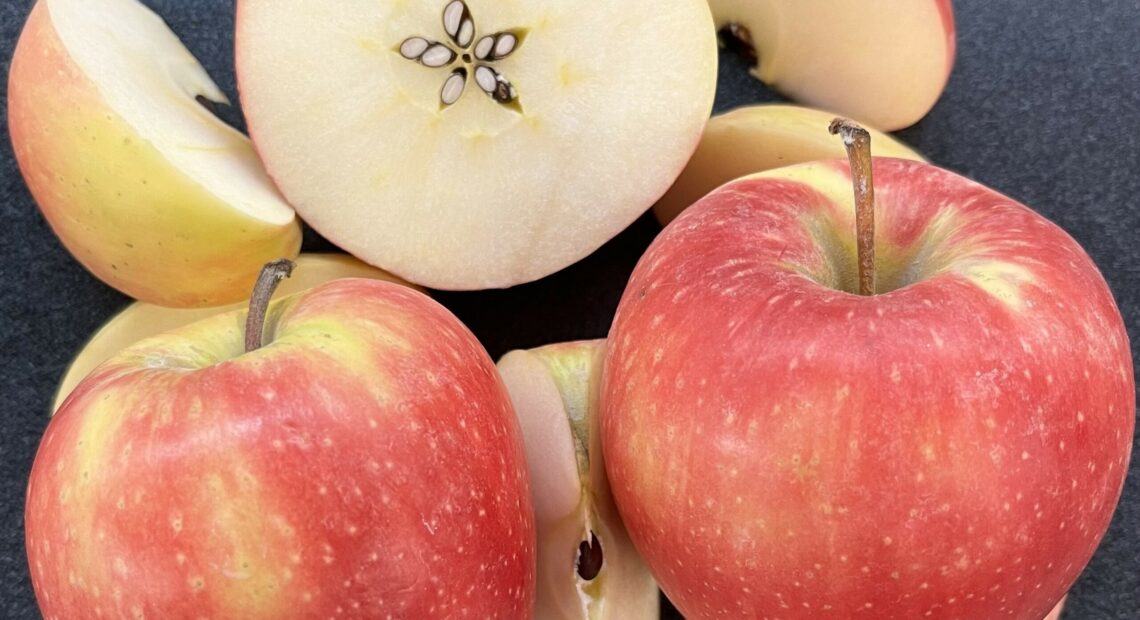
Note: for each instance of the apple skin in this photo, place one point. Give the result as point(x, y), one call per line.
point(882, 61)
point(142, 320)
point(366, 462)
point(119, 206)
point(756, 138)
point(554, 390)
point(780, 447)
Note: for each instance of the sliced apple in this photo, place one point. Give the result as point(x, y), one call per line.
point(144, 186)
point(883, 61)
point(587, 566)
point(480, 144)
point(142, 320)
point(758, 138)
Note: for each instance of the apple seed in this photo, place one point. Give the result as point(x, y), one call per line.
point(590, 558)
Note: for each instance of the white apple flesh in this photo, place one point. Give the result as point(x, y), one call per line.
point(587, 566)
point(456, 165)
point(143, 185)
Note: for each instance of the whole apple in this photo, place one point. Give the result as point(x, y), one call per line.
point(365, 463)
point(952, 445)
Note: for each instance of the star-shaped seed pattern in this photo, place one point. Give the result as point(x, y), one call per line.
point(477, 56)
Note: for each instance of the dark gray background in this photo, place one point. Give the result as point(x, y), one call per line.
point(1043, 105)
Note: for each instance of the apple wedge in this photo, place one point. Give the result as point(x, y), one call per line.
point(479, 144)
point(758, 138)
point(142, 320)
point(143, 185)
point(587, 566)
point(880, 60)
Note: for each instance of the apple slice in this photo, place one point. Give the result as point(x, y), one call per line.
point(758, 138)
point(142, 320)
point(880, 60)
point(587, 566)
point(480, 144)
point(145, 187)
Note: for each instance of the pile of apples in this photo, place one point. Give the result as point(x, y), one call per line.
point(834, 386)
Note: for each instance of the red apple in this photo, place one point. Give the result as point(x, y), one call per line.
point(366, 463)
point(953, 445)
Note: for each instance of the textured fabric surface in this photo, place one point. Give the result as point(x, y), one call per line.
point(1043, 105)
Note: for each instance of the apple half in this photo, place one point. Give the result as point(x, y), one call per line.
point(148, 189)
point(880, 60)
point(142, 320)
point(756, 138)
point(587, 566)
point(478, 144)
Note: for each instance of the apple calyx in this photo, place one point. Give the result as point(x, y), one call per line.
point(858, 143)
point(271, 275)
point(475, 54)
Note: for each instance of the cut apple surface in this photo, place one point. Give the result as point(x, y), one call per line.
point(143, 185)
point(480, 144)
point(883, 61)
point(758, 138)
point(143, 320)
point(587, 566)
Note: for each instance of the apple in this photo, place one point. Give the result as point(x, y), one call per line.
point(587, 566)
point(142, 320)
point(756, 138)
point(151, 192)
point(365, 462)
point(474, 144)
point(780, 444)
point(883, 61)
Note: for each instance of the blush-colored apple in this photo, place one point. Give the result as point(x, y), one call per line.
point(756, 138)
point(952, 445)
point(151, 192)
point(361, 460)
point(883, 61)
point(587, 566)
point(142, 320)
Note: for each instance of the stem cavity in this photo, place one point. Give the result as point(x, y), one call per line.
point(271, 275)
point(858, 144)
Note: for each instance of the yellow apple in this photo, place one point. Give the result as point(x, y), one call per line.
point(142, 320)
point(143, 185)
point(758, 138)
point(883, 61)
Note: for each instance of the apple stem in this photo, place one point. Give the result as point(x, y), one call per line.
point(858, 143)
point(271, 275)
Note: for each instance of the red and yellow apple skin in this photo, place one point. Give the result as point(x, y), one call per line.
point(953, 446)
point(125, 212)
point(364, 463)
point(142, 320)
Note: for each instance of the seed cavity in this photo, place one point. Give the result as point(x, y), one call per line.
point(496, 46)
point(459, 25)
point(484, 47)
point(590, 558)
point(453, 86)
point(494, 84)
point(437, 55)
point(414, 47)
